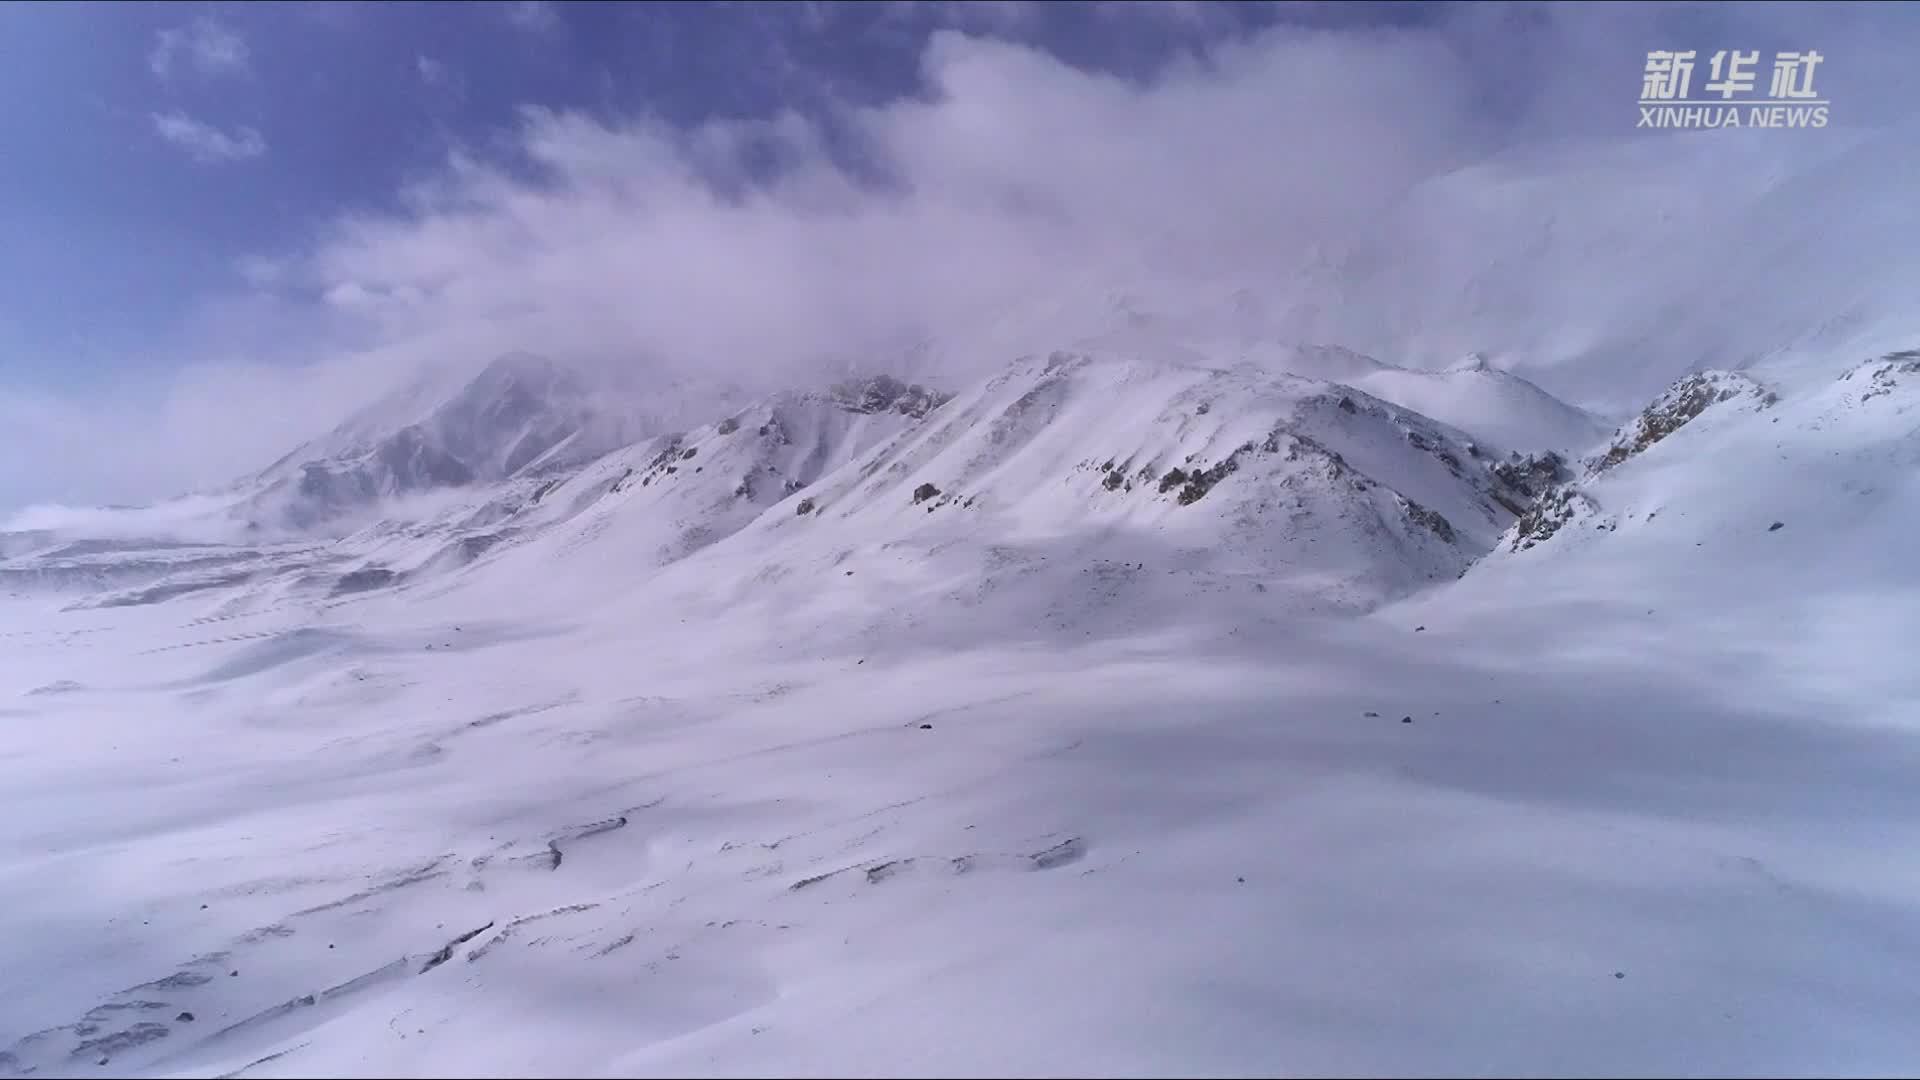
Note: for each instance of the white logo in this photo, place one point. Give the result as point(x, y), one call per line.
point(1727, 97)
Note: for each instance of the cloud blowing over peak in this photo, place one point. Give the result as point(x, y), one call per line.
point(1416, 191)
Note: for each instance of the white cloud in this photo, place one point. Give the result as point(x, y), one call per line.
point(206, 143)
point(443, 84)
point(152, 435)
point(205, 47)
point(1020, 176)
point(539, 16)
point(1336, 185)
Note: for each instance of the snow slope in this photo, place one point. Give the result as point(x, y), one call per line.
point(1500, 407)
point(917, 787)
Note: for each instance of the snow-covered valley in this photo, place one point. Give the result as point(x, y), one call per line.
point(1121, 714)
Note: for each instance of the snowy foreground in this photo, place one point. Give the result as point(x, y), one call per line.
point(1639, 799)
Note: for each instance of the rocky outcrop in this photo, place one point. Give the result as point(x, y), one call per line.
point(1549, 515)
point(884, 393)
point(1884, 374)
point(1532, 475)
point(1540, 487)
point(1682, 402)
point(1432, 520)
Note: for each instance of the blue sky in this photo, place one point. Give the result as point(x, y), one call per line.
point(156, 146)
point(222, 225)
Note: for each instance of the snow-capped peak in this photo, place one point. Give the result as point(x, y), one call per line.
point(520, 413)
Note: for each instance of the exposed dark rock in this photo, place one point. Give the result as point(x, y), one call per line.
point(1547, 516)
point(1202, 482)
point(1886, 373)
point(1433, 520)
point(884, 393)
point(663, 457)
point(924, 492)
point(728, 426)
point(1679, 405)
point(371, 577)
point(1531, 475)
point(805, 507)
point(1776, 526)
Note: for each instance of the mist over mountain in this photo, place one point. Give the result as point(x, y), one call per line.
point(1069, 539)
point(1013, 202)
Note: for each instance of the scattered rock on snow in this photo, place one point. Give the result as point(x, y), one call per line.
point(1549, 515)
point(1672, 410)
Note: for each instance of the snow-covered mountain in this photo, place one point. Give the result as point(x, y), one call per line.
point(521, 415)
point(1832, 461)
point(1219, 478)
point(1136, 447)
point(1136, 709)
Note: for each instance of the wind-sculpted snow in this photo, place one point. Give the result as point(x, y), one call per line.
point(1011, 755)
